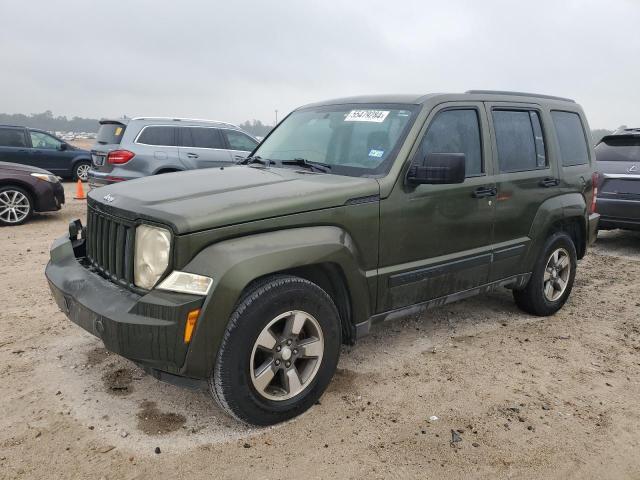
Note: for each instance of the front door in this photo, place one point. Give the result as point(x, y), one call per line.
point(203, 147)
point(436, 239)
point(47, 153)
point(525, 178)
point(239, 144)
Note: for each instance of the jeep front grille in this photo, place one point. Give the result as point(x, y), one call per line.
point(110, 246)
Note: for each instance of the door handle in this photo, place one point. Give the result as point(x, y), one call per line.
point(482, 192)
point(549, 182)
point(192, 155)
point(239, 157)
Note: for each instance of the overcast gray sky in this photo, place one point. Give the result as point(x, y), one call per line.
point(239, 60)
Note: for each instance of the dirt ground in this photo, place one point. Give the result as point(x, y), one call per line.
point(526, 397)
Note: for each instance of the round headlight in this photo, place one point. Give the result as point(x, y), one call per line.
point(153, 245)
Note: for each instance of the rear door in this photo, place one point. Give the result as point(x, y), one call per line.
point(47, 152)
point(525, 178)
point(239, 143)
point(203, 147)
point(14, 146)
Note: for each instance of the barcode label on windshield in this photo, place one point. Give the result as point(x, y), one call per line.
point(376, 116)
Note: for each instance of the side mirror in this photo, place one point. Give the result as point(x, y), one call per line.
point(62, 147)
point(438, 168)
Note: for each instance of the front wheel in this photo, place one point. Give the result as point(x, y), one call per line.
point(552, 278)
point(279, 351)
point(16, 206)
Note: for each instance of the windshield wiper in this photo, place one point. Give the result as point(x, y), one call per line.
point(311, 165)
point(256, 159)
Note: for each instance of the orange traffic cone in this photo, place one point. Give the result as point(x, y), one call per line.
point(80, 195)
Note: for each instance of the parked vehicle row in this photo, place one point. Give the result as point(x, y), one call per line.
point(127, 149)
point(247, 279)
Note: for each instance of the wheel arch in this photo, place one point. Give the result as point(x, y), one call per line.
point(568, 213)
point(11, 182)
point(324, 255)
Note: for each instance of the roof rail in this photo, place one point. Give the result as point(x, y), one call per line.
point(520, 94)
point(178, 119)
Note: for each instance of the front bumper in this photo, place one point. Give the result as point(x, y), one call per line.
point(147, 329)
point(619, 213)
point(49, 196)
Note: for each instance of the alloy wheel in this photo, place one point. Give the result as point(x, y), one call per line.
point(556, 275)
point(82, 172)
point(287, 355)
point(14, 206)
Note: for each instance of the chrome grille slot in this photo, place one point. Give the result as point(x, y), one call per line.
point(110, 246)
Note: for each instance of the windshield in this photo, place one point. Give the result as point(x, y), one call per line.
point(356, 140)
point(619, 149)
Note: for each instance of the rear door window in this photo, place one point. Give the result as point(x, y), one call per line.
point(158, 136)
point(201, 137)
point(571, 137)
point(456, 131)
point(519, 140)
point(240, 141)
point(12, 137)
point(110, 133)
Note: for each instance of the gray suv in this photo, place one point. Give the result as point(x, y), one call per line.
point(132, 148)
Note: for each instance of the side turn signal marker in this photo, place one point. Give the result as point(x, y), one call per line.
point(190, 326)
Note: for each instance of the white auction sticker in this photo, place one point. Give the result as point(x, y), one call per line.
point(376, 116)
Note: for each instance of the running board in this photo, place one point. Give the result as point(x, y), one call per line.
point(515, 282)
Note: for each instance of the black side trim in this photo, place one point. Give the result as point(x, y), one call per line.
point(514, 282)
point(359, 200)
point(509, 252)
point(419, 274)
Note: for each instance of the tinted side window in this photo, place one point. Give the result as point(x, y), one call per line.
point(240, 141)
point(12, 137)
point(201, 137)
point(160, 136)
point(44, 141)
point(456, 131)
point(519, 140)
point(573, 144)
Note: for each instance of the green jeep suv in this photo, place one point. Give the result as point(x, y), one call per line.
point(247, 279)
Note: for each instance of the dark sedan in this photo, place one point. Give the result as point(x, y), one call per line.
point(618, 164)
point(24, 190)
point(29, 146)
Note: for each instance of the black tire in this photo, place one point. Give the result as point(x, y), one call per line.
point(532, 298)
point(231, 384)
point(5, 216)
point(78, 171)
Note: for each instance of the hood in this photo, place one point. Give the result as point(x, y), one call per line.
point(18, 167)
point(209, 198)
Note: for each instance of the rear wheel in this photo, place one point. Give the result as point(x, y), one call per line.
point(81, 171)
point(16, 206)
point(279, 351)
point(552, 279)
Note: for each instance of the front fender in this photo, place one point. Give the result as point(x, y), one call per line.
point(235, 263)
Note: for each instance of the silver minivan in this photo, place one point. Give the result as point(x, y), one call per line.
point(132, 148)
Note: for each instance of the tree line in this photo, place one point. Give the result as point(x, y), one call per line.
point(47, 121)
